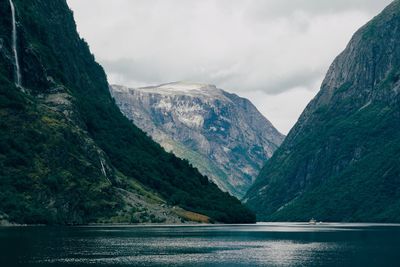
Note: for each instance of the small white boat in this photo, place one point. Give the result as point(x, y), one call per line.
point(312, 222)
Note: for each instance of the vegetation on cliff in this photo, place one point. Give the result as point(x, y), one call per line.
point(65, 148)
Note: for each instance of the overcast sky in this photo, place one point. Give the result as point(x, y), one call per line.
point(274, 52)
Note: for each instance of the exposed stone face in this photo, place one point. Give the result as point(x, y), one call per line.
point(221, 134)
point(340, 156)
point(67, 154)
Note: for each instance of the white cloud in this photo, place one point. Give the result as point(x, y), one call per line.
point(282, 109)
point(263, 49)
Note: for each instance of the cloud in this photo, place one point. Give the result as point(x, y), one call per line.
point(282, 109)
point(243, 46)
point(271, 9)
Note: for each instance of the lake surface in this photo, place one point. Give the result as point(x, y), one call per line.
point(275, 244)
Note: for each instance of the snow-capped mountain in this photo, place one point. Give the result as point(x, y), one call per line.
point(221, 134)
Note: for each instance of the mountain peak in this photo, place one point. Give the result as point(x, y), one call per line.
point(67, 154)
point(181, 88)
point(221, 134)
point(340, 161)
point(186, 86)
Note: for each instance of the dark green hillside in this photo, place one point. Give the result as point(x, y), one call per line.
point(341, 161)
point(65, 148)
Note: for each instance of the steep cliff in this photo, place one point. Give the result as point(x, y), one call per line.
point(221, 134)
point(341, 161)
point(67, 154)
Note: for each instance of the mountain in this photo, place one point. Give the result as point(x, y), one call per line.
point(67, 154)
point(221, 134)
point(341, 161)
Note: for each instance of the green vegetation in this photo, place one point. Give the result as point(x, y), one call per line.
point(202, 163)
point(341, 162)
point(43, 167)
point(359, 189)
point(50, 151)
point(350, 156)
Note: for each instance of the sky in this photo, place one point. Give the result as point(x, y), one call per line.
point(273, 52)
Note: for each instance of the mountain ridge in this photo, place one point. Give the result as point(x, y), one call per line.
point(67, 154)
point(221, 134)
point(340, 161)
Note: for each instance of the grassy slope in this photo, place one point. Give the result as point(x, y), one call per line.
point(50, 173)
point(199, 161)
point(368, 189)
point(344, 164)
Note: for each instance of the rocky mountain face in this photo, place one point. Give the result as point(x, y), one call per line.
point(221, 134)
point(67, 154)
point(341, 161)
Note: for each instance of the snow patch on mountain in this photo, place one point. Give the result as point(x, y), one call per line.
point(221, 134)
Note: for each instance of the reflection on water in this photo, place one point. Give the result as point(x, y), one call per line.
point(279, 244)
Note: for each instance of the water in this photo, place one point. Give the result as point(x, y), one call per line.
point(251, 245)
point(14, 46)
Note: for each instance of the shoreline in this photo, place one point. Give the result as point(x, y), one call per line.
point(191, 224)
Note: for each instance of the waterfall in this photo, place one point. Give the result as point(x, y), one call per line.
point(103, 170)
point(14, 45)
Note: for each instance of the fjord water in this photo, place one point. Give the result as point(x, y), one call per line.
point(279, 244)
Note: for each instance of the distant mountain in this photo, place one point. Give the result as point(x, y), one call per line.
point(341, 161)
point(67, 154)
point(221, 134)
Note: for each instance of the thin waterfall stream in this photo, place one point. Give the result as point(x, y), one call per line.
point(14, 46)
